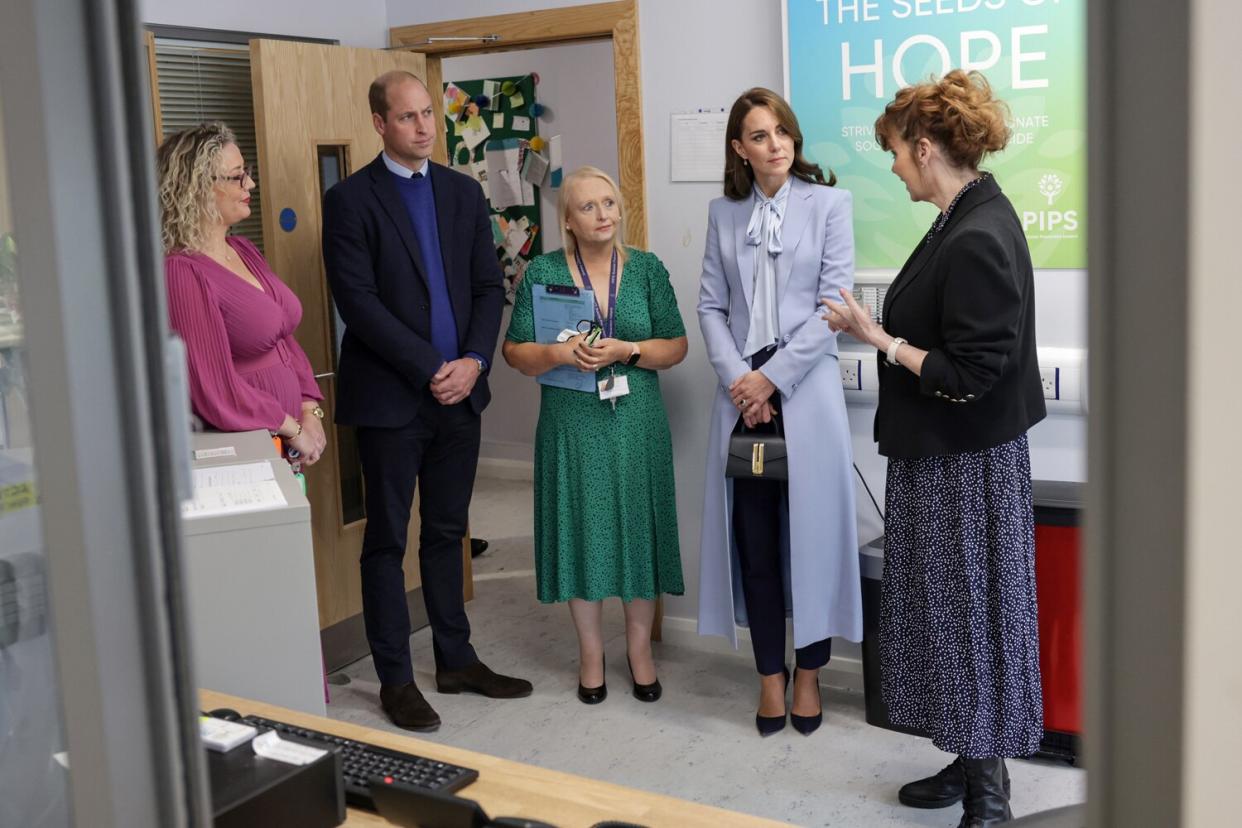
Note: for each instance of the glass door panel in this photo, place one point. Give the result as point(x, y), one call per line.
point(33, 764)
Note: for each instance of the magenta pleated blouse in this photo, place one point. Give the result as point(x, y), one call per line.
point(246, 370)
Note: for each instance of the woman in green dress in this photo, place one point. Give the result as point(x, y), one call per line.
point(605, 510)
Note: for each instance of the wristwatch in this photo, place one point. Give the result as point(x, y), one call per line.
point(891, 355)
point(479, 362)
point(634, 357)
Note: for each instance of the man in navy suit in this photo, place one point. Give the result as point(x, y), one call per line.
point(409, 256)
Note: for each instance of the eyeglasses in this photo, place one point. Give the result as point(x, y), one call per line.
point(240, 178)
point(591, 328)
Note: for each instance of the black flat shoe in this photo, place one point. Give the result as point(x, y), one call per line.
point(407, 709)
point(942, 789)
point(594, 695)
point(479, 678)
point(767, 725)
point(806, 725)
point(644, 692)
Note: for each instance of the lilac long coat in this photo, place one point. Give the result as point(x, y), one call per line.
point(817, 259)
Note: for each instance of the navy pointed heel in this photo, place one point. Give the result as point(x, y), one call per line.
point(767, 725)
point(806, 725)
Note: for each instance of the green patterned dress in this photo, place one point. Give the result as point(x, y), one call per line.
point(605, 509)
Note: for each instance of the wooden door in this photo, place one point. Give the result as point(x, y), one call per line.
point(313, 126)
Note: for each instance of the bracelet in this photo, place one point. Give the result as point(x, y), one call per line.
point(892, 350)
point(297, 433)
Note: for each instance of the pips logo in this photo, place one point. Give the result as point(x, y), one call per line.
point(1050, 223)
point(1050, 186)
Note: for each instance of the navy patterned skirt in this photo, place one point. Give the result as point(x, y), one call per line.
point(959, 640)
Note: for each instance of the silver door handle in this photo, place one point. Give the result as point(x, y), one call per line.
point(325, 376)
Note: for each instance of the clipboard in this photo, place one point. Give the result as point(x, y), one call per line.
point(555, 308)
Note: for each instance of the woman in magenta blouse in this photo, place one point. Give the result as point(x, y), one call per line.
point(235, 315)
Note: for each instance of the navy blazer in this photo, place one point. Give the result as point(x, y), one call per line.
point(967, 297)
point(375, 269)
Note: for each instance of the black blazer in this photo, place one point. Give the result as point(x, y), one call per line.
point(376, 273)
point(967, 297)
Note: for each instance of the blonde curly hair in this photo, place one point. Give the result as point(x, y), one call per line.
point(188, 162)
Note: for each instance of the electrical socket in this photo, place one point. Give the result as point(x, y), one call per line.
point(1063, 375)
point(1050, 379)
point(851, 374)
point(1070, 385)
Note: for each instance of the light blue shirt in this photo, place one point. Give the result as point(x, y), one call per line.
point(402, 170)
point(764, 232)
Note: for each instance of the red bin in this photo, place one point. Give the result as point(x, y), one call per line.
point(1058, 584)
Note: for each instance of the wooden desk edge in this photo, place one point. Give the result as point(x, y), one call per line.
point(508, 788)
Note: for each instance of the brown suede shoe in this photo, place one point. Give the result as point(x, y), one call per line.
point(478, 678)
point(407, 708)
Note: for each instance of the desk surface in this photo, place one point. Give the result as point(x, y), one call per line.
point(506, 788)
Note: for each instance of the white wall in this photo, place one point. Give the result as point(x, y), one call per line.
point(576, 84)
point(358, 23)
point(703, 53)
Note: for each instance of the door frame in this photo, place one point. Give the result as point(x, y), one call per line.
point(616, 22)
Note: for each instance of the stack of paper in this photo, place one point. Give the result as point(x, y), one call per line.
point(230, 490)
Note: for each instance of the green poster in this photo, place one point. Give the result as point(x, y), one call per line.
point(846, 59)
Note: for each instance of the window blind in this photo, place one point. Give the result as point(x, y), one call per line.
point(211, 82)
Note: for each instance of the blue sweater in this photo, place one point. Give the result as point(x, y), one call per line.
point(420, 203)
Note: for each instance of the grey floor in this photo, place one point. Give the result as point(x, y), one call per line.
point(697, 743)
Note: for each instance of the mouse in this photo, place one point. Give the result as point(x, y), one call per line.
point(226, 713)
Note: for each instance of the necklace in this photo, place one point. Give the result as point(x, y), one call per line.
point(943, 218)
point(228, 255)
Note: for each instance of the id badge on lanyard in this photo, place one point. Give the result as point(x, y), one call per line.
point(615, 386)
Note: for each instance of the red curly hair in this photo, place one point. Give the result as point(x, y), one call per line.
point(958, 112)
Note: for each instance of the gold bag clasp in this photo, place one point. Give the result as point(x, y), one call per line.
point(756, 459)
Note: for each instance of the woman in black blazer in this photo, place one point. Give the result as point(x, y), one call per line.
point(959, 388)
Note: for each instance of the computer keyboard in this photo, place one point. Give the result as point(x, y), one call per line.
point(361, 761)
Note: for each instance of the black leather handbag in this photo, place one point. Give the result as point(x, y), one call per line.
point(758, 456)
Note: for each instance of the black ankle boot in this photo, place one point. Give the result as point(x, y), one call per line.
point(985, 802)
point(941, 789)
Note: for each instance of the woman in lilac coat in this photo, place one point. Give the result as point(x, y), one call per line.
point(777, 242)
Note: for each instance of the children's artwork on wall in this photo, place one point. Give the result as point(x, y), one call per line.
point(492, 133)
point(534, 167)
point(554, 161)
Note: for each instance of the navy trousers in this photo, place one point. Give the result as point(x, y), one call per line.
point(759, 509)
point(439, 452)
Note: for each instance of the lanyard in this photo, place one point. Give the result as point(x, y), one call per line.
point(606, 324)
